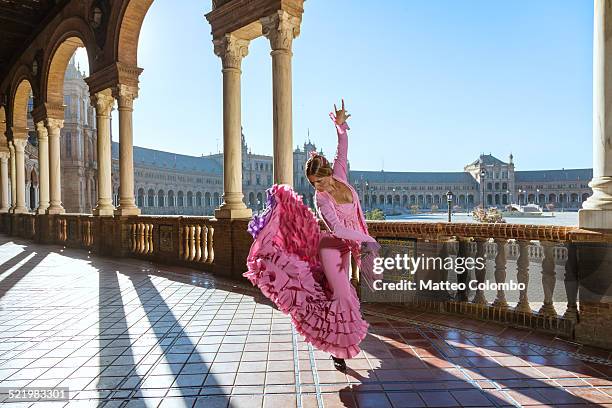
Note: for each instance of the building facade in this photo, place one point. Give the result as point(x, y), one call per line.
point(169, 183)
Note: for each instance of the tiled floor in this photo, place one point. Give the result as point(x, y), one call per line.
point(124, 332)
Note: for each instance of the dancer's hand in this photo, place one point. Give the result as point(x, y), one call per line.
point(341, 115)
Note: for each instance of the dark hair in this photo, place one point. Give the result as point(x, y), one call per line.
point(317, 165)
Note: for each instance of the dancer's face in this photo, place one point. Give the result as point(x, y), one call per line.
point(321, 183)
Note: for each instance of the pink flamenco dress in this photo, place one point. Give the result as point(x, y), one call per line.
point(305, 271)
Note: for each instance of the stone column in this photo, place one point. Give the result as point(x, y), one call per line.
point(125, 96)
point(54, 127)
point(281, 28)
point(103, 101)
point(19, 143)
point(43, 167)
point(232, 50)
point(4, 181)
point(12, 172)
point(596, 212)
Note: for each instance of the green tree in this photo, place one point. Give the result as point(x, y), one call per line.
point(375, 214)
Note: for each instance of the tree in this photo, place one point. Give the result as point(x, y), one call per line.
point(375, 214)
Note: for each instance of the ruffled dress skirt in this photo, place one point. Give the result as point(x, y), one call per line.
point(284, 262)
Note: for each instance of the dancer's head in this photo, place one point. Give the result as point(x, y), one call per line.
point(319, 172)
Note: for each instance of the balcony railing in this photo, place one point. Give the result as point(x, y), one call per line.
point(542, 258)
point(560, 267)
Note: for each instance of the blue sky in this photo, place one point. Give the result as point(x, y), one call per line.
point(430, 84)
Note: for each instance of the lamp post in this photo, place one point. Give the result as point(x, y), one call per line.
point(537, 197)
point(483, 173)
point(449, 200)
point(519, 201)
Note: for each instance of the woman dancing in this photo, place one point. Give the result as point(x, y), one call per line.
point(305, 271)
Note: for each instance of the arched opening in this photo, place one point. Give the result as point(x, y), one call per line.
point(64, 85)
point(22, 106)
point(189, 199)
point(33, 188)
point(140, 200)
point(171, 202)
point(160, 198)
point(198, 199)
point(180, 201)
point(151, 198)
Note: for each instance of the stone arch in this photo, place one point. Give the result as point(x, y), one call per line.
point(180, 199)
point(20, 97)
point(207, 199)
point(128, 31)
point(198, 199)
point(69, 35)
point(171, 201)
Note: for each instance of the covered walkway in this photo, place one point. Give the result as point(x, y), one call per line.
point(126, 332)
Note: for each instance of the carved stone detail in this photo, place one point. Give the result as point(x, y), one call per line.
point(103, 101)
point(280, 28)
point(125, 95)
point(231, 50)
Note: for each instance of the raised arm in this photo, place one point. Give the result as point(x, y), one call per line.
point(340, 160)
point(327, 212)
point(339, 118)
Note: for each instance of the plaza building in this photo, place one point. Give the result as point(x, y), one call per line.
point(486, 179)
point(168, 183)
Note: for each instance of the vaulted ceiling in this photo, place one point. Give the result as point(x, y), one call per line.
point(20, 21)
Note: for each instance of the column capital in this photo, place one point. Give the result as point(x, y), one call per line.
point(103, 102)
point(4, 156)
point(41, 130)
point(20, 143)
point(280, 28)
point(125, 95)
point(54, 124)
point(231, 50)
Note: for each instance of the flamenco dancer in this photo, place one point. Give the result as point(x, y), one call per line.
point(304, 270)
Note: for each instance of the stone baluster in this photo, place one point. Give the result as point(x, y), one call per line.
point(500, 273)
point(548, 279)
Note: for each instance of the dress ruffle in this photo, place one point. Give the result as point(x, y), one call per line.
point(284, 263)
